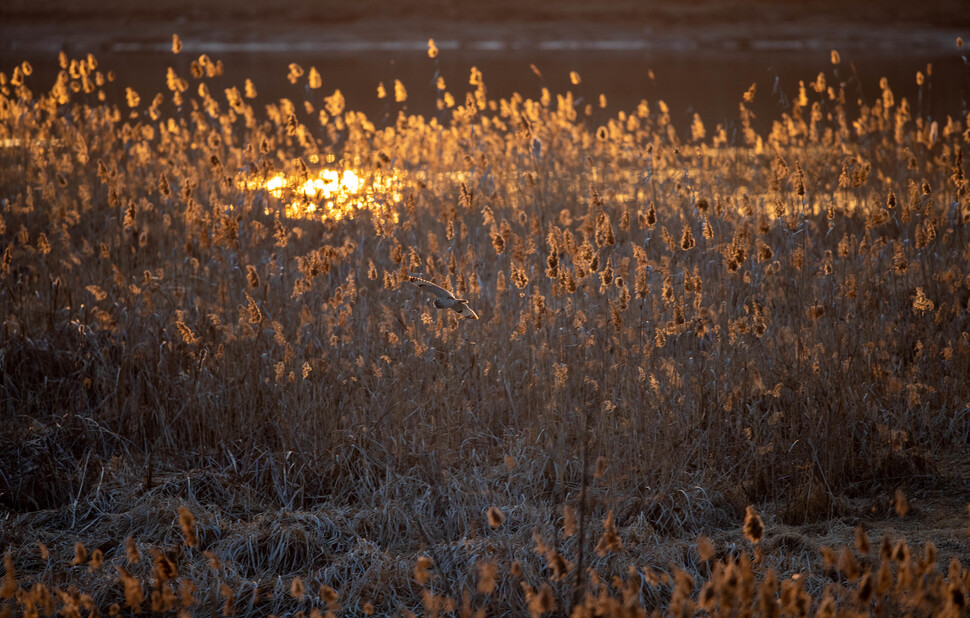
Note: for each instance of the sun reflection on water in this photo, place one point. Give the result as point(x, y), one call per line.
point(335, 195)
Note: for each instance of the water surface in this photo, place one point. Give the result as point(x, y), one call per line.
point(691, 73)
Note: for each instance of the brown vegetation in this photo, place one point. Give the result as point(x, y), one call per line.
point(203, 307)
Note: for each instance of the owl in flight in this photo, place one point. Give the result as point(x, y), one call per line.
point(445, 299)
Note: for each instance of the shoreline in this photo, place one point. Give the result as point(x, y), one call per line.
point(377, 35)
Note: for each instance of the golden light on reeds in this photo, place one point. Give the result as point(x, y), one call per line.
point(675, 323)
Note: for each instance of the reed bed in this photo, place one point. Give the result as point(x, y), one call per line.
point(222, 393)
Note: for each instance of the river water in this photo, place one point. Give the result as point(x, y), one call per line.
point(689, 73)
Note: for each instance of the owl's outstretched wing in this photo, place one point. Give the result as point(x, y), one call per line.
point(438, 291)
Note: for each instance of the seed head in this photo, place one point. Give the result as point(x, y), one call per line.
point(330, 597)
point(900, 501)
point(487, 576)
point(687, 239)
point(861, 540)
point(187, 523)
point(297, 589)
point(9, 587)
point(422, 570)
point(610, 541)
point(569, 524)
point(754, 527)
point(705, 549)
point(495, 517)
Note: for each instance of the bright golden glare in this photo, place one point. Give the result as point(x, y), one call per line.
point(335, 195)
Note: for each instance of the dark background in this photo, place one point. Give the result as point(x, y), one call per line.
point(756, 13)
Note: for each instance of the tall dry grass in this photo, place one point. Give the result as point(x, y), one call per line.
point(673, 327)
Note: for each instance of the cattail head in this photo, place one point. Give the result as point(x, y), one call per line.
point(604, 231)
point(768, 594)
point(625, 221)
point(330, 597)
point(826, 608)
point(921, 304)
point(495, 517)
point(255, 313)
point(610, 540)
point(567, 280)
point(213, 560)
point(187, 523)
point(552, 266)
point(9, 587)
point(80, 554)
point(560, 372)
point(297, 590)
point(848, 564)
point(134, 593)
point(487, 576)
point(641, 285)
point(861, 540)
point(540, 602)
point(570, 525)
point(705, 549)
point(687, 239)
point(131, 551)
point(901, 551)
point(43, 245)
point(498, 242)
point(422, 570)
point(606, 275)
point(754, 527)
point(764, 252)
point(163, 569)
point(97, 559)
point(229, 606)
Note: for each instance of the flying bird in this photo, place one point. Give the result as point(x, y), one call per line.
point(445, 299)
